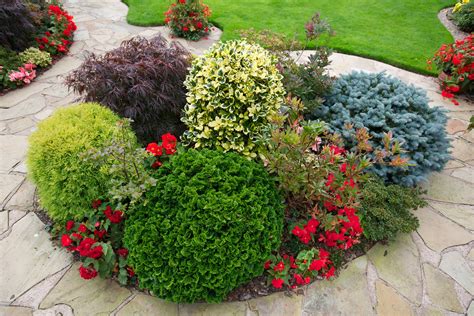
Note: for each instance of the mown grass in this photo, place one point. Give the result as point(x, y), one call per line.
point(404, 33)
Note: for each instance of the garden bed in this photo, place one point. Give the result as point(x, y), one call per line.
point(242, 172)
point(46, 36)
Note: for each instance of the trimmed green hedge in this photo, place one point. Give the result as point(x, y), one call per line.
point(207, 227)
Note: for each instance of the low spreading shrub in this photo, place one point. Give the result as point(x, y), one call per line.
point(16, 25)
point(141, 80)
point(188, 19)
point(463, 16)
point(383, 104)
point(385, 210)
point(33, 55)
point(66, 183)
point(207, 227)
point(233, 90)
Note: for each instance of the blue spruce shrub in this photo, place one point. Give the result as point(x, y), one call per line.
point(382, 103)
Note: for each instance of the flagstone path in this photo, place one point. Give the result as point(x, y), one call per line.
point(428, 272)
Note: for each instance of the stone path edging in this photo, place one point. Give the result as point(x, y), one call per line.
point(428, 272)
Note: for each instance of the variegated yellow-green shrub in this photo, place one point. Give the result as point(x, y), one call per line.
point(35, 56)
point(233, 90)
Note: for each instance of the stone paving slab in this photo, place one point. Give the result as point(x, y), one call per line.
point(97, 296)
point(27, 257)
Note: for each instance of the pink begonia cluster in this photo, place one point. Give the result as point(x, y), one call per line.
point(24, 74)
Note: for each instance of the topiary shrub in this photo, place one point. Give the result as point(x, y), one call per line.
point(141, 80)
point(233, 89)
point(385, 210)
point(382, 104)
point(35, 56)
point(207, 227)
point(16, 25)
point(67, 184)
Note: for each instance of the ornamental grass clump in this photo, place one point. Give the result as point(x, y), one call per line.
point(67, 184)
point(141, 80)
point(383, 104)
point(233, 90)
point(207, 227)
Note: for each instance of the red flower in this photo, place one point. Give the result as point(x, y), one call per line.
point(130, 271)
point(122, 252)
point(182, 1)
point(44, 40)
point(48, 34)
point(100, 233)
point(454, 89)
point(457, 59)
point(67, 32)
point(343, 167)
point(330, 180)
point(277, 283)
point(185, 29)
point(299, 280)
point(307, 280)
point(69, 225)
point(85, 246)
point(337, 150)
point(96, 204)
point(154, 149)
point(169, 141)
point(330, 273)
point(311, 226)
point(87, 273)
point(199, 25)
point(267, 264)
point(292, 263)
point(66, 241)
point(471, 76)
point(113, 216)
point(156, 164)
point(317, 265)
point(82, 228)
point(447, 94)
point(77, 236)
point(280, 266)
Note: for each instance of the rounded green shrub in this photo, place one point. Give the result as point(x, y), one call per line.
point(206, 227)
point(35, 56)
point(381, 104)
point(67, 183)
point(233, 90)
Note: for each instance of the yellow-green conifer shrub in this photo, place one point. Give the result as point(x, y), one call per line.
point(233, 90)
point(67, 183)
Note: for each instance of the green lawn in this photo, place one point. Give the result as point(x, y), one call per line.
point(403, 33)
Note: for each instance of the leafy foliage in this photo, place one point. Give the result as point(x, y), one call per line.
point(66, 183)
point(207, 227)
point(232, 91)
point(464, 17)
point(386, 209)
point(141, 80)
point(33, 55)
point(125, 164)
point(310, 80)
point(16, 26)
point(384, 104)
point(9, 61)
